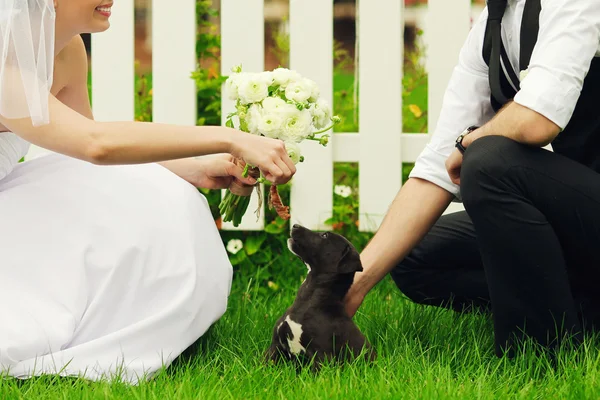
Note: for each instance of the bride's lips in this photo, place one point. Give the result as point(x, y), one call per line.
point(104, 10)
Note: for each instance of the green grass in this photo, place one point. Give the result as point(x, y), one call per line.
point(424, 353)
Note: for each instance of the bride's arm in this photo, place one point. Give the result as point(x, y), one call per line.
point(71, 133)
point(127, 142)
point(75, 95)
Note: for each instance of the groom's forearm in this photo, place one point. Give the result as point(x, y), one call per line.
point(414, 211)
point(519, 124)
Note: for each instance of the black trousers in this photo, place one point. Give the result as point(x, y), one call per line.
point(527, 248)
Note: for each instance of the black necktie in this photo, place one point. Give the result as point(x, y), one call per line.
point(496, 9)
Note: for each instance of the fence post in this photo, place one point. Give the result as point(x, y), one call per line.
point(113, 66)
point(447, 27)
point(311, 54)
point(380, 114)
point(173, 61)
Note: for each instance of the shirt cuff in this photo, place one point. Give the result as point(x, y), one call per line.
point(543, 93)
point(430, 166)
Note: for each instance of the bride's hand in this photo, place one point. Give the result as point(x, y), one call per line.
point(269, 155)
point(208, 172)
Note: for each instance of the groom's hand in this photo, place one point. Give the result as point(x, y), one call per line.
point(357, 293)
point(352, 302)
point(453, 166)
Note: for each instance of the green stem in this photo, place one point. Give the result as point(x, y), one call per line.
point(321, 131)
point(233, 208)
point(261, 178)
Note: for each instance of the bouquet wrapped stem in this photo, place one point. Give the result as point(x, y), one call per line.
point(237, 199)
point(278, 104)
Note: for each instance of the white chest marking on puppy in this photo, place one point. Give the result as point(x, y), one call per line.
point(294, 343)
point(279, 337)
point(308, 268)
point(289, 244)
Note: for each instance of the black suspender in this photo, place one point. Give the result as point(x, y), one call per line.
point(504, 82)
point(530, 27)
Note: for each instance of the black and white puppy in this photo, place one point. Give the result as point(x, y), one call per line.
point(316, 327)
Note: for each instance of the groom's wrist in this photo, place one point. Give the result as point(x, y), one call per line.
point(357, 291)
point(465, 138)
point(363, 283)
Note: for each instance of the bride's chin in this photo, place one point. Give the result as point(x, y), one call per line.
point(98, 27)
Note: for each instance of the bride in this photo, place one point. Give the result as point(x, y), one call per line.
point(110, 263)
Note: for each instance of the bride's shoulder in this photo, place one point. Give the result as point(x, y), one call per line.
point(71, 65)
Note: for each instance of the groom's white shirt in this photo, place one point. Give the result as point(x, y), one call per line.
point(568, 39)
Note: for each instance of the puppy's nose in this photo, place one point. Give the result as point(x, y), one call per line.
point(296, 226)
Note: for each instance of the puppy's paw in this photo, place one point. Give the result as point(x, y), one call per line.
point(272, 355)
point(368, 352)
point(371, 354)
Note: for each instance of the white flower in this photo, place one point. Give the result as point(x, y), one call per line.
point(321, 114)
point(279, 107)
point(232, 84)
point(273, 104)
point(286, 110)
point(343, 191)
point(298, 91)
point(293, 151)
point(315, 92)
point(253, 89)
point(234, 246)
point(254, 119)
point(271, 124)
point(267, 77)
point(297, 126)
point(523, 74)
point(283, 76)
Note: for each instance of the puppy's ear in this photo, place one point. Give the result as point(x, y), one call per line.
point(350, 261)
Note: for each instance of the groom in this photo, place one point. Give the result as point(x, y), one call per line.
point(528, 246)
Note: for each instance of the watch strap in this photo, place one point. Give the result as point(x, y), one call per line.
point(460, 138)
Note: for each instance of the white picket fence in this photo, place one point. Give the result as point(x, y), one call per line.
point(380, 147)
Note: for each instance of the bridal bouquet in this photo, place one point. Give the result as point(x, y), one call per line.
point(279, 104)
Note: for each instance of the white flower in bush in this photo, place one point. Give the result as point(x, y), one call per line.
point(343, 191)
point(321, 114)
point(299, 91)
point(283, 76)
point(293, 150)
point(253, 90)
point(254, 119)
point(234, 246)
point(297, 126)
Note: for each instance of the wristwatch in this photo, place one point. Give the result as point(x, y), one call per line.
point(460, 138)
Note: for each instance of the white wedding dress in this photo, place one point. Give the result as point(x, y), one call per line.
point(105, 271)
